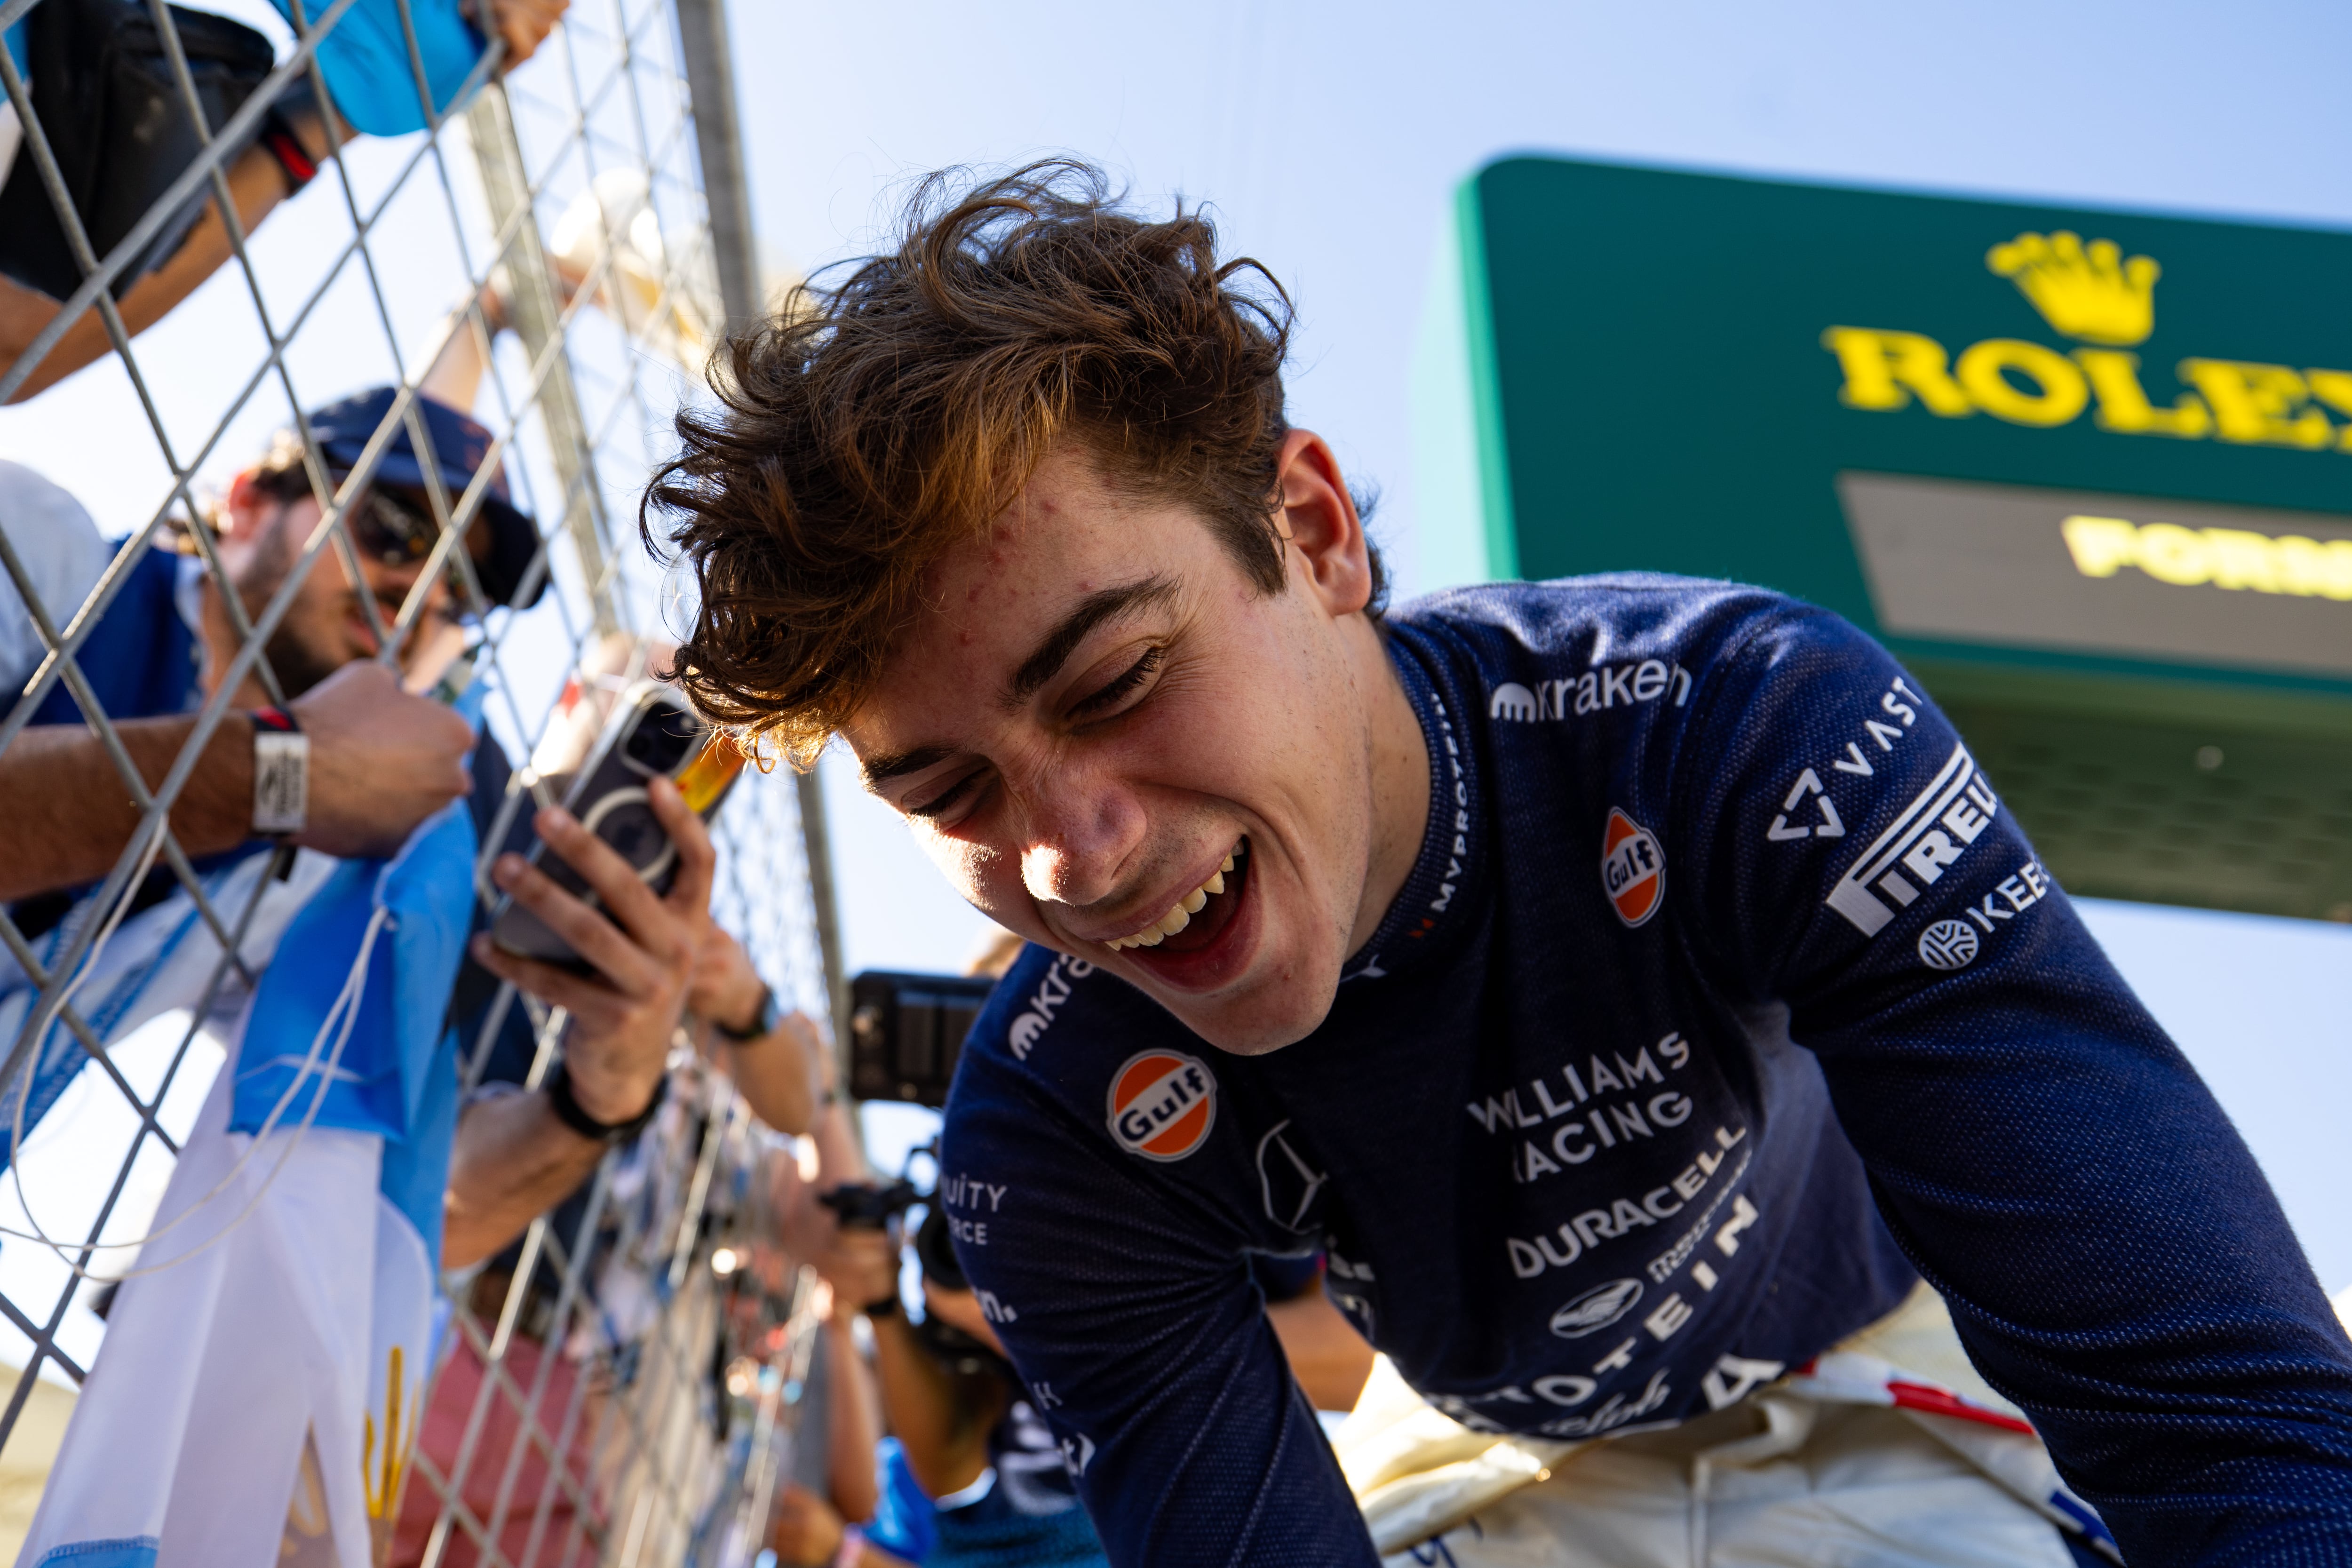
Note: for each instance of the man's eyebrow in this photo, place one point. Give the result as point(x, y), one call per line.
point(1056, 645)
point(896, 765)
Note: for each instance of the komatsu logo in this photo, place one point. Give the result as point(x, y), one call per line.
point(1933, 831)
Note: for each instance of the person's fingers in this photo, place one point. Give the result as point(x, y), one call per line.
point(690, 893)
point(592, 1002)
point(627, 965)
point(630, 903)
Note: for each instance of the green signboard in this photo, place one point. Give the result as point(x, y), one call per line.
point(2089, 473)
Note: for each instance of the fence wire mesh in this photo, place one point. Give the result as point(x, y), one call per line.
point(619, 1386)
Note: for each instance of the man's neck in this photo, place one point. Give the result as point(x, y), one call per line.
point(1400, 757)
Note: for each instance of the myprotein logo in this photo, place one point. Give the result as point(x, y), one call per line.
point(1163, 1104)
point(1933, 831)
point(1632, 869)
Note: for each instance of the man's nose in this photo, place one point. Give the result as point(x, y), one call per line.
point(1083, 832)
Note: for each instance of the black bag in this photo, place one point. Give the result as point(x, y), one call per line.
point(111, 105)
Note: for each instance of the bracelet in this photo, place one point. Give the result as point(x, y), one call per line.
point(887, 1306)
point(852, 1547)
point(569, 1110)
point(281, 773)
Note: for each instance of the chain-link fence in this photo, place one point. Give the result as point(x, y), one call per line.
point(618, 1386)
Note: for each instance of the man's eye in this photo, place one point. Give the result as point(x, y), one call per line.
point(938, 804)
point(1119, 686)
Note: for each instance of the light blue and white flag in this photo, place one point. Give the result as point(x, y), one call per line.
point(262, 1376)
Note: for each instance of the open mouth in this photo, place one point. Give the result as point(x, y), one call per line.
point(1195, 921)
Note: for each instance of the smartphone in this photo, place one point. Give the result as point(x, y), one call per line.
point(652, 733)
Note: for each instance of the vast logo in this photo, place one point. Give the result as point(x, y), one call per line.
point(1632, 869)
point(1163, 1104)
point(1933, 831)
point(2094, 294)
point(1596, 1309)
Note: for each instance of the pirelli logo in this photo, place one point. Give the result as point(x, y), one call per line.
point(1934, 830)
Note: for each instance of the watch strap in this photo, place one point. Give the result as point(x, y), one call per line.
point(569, 1110)
point(281, 773)
point(766, 1019)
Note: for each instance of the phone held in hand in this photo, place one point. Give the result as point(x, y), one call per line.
point(652, 733)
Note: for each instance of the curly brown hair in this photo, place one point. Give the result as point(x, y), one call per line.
point(881, 419)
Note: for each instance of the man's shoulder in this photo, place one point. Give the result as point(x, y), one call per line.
point(1051, 1046)
point(1054, 1016)
point(1575, 647)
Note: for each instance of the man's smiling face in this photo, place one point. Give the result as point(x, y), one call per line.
point(1096, 712)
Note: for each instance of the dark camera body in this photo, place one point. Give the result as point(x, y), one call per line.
point(864, 1206)
point(907, 1032)
point(652, 733)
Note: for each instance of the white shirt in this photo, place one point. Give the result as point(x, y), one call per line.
point(63, 557)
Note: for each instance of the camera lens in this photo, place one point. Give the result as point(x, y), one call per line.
point(664, 739)
point(636, 833)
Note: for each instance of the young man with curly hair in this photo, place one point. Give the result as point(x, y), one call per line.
point(1469, 944)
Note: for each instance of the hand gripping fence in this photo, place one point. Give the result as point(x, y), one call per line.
point(622, 1386)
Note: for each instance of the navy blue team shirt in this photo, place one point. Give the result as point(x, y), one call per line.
point(1725, 999)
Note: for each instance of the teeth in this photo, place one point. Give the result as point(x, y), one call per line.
point(1181, 913)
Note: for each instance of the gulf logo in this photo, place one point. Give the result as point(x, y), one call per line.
point(1632, 869)
point(1163, 1104)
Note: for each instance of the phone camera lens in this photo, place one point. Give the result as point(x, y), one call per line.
point(664, 739)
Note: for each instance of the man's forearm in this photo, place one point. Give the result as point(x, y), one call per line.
point(513, 1160)
point(947, 1447)
point(855, 1419)
point(257, 183)
point(773, 1075)
point(66, 811)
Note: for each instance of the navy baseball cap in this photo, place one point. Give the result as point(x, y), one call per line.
point(343, 429)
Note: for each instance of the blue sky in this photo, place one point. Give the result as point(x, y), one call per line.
point(1328, 139)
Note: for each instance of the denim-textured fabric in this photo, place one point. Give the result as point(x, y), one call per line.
point(1726, 993)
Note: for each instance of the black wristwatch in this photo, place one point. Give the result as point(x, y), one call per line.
point(569, 1110)
point(766, 1020)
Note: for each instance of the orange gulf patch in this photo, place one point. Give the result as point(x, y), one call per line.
point(1163, 1104)
point(1632, 869)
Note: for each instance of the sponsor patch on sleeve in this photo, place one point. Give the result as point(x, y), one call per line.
point(1163, 1104)
point(1632, 869)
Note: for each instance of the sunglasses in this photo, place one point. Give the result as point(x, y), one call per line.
point(392, 528)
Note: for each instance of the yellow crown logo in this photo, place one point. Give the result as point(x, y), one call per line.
point(2089, 293)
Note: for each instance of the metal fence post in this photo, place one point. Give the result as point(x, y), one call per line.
point(718, 134)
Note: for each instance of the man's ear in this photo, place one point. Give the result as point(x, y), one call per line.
point(246, 509)
point(1318, 521)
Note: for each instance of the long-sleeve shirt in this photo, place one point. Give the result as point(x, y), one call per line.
point(1725, 995)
